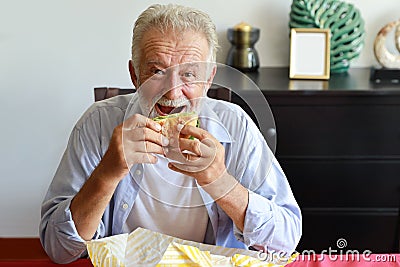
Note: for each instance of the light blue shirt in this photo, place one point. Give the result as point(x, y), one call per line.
point(273, 218)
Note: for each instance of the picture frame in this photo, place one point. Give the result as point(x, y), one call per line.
point(309, 53)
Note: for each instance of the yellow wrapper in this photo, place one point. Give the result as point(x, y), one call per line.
point(143, 247)
point(182, 255)
point(109, 251)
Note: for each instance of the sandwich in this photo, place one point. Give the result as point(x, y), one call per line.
point(170, 122)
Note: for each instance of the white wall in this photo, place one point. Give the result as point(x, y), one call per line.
point(52, 53)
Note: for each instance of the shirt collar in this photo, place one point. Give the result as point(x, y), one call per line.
point(133, 107)
point(210, 121)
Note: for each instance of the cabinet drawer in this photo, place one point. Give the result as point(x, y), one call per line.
point(375, 232)
point(348, 183)
point(367, 130)
point(328, 125)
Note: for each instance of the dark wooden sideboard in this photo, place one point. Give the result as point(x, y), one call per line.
point(338, 142)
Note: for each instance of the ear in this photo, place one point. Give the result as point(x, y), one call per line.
point(133, 74)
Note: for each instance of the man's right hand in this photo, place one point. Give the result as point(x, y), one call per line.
point(133, 142)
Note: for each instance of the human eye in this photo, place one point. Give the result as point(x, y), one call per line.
point(158, 72)
point(189, 74)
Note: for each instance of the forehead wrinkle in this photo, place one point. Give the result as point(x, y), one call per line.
point(167, 49)
point(164, 51)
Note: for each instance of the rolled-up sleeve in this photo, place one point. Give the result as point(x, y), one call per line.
point(273, 217)
point(269, 227)
point(58, 233)
point(59, 236)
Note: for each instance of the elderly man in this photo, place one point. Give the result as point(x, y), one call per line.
point(120, 172)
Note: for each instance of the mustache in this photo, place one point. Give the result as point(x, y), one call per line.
point(172, 102)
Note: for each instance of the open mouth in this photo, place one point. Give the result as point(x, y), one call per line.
point(166, 110)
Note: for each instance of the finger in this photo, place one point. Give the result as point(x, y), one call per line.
point(207, 148)
point(176, 169)
point(186, 169)
point(145, 134)
point(147, 147)
point(175, 154)
point(153, 125)
point(194, 146)
point(134, 158)
point(210, 142)
point(200, 134)
point(188, 161)
point(194, 131)
point(138, 120)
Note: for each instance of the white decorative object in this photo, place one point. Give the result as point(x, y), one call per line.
point(382, 54)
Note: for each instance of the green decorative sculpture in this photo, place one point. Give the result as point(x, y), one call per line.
point(344, 21)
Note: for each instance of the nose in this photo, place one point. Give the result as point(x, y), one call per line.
point(173, 86)
point(174, 93)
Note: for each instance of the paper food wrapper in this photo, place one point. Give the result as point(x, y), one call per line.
point(143, 247)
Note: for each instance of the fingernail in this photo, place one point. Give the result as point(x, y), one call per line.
point(180, 126)
point(164, 140)
point(158, 127)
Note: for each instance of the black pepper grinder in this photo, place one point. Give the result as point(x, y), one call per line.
point(242, 55)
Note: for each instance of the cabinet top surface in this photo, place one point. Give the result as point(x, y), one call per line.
point(276, 80)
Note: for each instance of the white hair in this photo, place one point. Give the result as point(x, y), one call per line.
point(179, 19)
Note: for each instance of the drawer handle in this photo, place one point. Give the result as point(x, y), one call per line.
point(271, 132)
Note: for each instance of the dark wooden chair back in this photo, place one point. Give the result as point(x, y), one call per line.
point(101, 93)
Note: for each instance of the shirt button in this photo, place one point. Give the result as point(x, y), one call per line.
point(125, 206)
point(138, 172)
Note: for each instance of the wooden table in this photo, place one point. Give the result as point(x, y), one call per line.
point(29, 252)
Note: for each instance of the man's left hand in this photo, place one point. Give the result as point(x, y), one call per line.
point(202, 158)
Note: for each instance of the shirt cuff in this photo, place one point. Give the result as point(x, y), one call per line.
point(65, 225)
point(258, 224)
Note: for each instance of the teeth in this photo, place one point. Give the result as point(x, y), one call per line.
point(172, 102)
